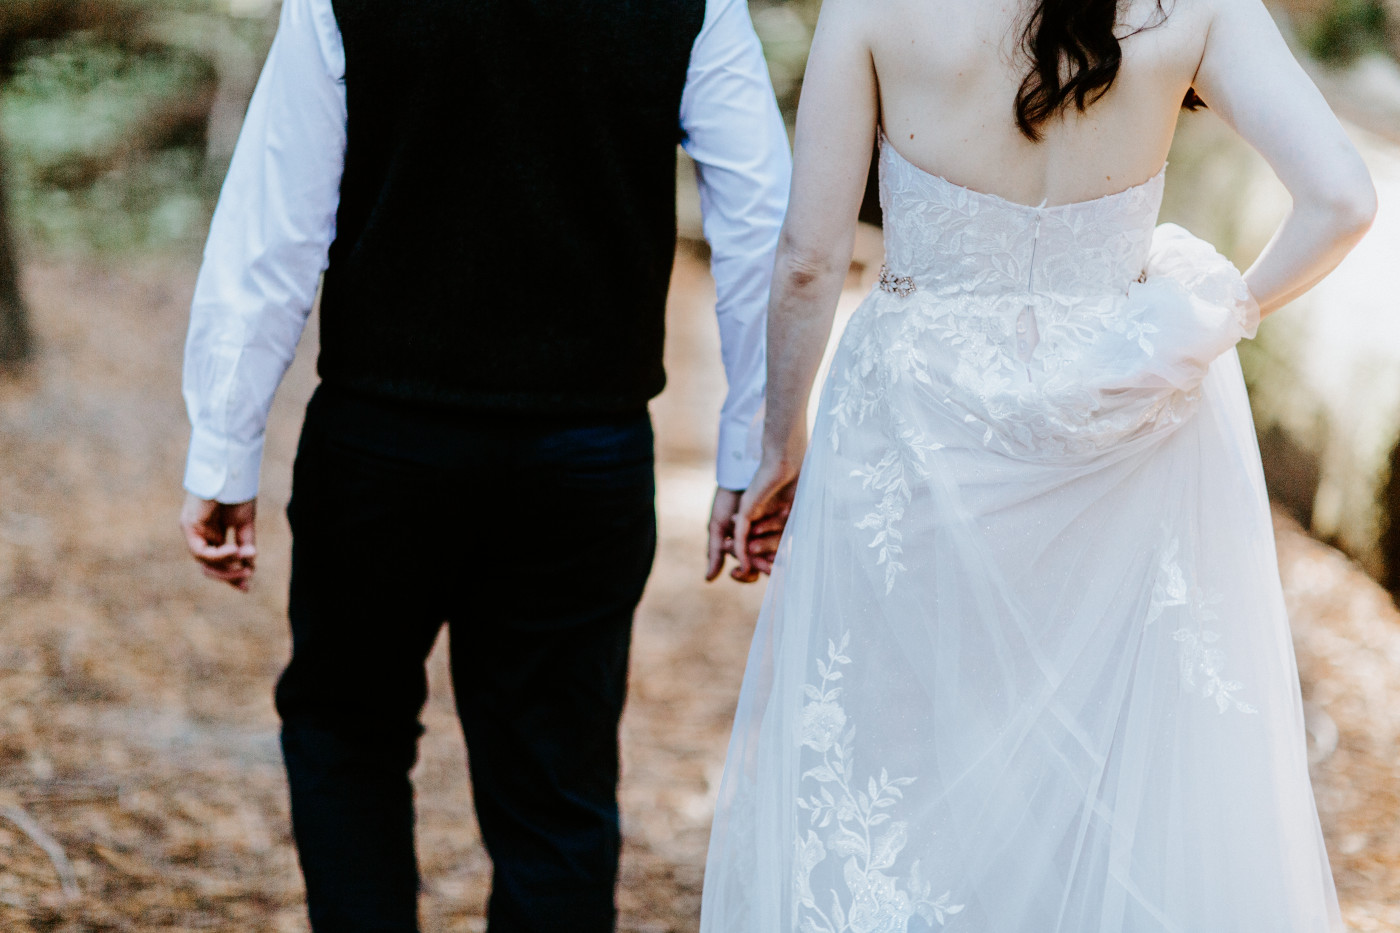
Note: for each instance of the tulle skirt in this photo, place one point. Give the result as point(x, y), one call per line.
point(1016, 677)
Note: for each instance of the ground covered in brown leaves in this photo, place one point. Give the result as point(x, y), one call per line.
point(140, 782)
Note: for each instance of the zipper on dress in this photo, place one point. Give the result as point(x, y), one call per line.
point(1027, 331)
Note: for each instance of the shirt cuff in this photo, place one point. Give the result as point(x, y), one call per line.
point(740, 444)
point(222, 471)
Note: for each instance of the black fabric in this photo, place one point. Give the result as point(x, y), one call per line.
point(507, 215)
point(533, 541)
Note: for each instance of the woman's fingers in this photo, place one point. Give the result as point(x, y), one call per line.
point(750, 577)
point(748, 526)
point(765, 545)
point(771, 524)
point(763, 514)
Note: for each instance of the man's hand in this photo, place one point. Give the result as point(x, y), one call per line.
point(762, 543)
point(221, 537)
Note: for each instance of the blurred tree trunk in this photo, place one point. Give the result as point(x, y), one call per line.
point(22, 21)
point(16, 342)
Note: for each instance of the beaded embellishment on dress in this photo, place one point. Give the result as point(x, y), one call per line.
point(901, 285)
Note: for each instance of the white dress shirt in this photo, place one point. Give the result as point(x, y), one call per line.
point(275, 221)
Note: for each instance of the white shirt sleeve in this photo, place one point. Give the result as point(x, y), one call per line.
point(736, 136)
point(267, 248)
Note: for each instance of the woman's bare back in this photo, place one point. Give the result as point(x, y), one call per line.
point(948, 74)
point(941, 77)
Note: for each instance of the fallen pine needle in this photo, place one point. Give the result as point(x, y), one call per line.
point(67, 877)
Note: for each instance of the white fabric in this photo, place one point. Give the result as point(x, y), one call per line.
point(266, 251)
point(737, 139)
point(275, 221)
point(1024, 665)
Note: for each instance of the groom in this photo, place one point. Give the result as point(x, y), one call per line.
point(489, 186)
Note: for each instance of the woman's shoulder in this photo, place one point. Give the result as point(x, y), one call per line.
point(892, 14)
point(1213, 13)
point(1178, 19)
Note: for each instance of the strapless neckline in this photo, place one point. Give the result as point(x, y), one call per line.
point(1017, 205)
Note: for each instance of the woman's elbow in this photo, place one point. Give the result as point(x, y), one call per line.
point(803, 271)
point(1352, 203)
point(1359, 210)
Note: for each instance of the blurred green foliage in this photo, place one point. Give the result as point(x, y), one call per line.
point(91, 165)
point(106, 144)
point(79, 176)
point(1347, 29)
point(79, 100)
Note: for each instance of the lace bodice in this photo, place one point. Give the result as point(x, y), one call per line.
point(1053, 331)
point(950, 239)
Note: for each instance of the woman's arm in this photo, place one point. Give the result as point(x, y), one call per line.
point(1249, 77)
point(831, 160)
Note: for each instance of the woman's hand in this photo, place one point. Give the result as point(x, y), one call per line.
point(761, 517)
point(762, 540)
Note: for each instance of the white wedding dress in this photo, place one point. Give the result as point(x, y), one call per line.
point(1024, 664)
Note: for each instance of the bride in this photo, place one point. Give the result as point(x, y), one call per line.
point(1024, 664)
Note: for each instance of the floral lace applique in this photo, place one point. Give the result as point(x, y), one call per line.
point(906, 460)
point(1170, 588)
point(1202, 663)
point(1201, 669)
point(853, 823)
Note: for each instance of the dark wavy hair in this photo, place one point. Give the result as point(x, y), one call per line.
point(1080, 34)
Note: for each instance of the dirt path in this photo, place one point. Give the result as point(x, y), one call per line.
point(137, 737)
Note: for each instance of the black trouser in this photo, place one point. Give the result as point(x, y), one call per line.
point(532, 541)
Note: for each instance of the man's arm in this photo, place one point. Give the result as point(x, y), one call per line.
point(735, 135)
point(267, 247)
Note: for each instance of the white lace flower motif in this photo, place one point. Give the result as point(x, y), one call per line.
point(821, 724)
point(856, 820)
point(877, 903)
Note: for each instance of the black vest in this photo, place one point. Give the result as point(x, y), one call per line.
point(507, 215)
